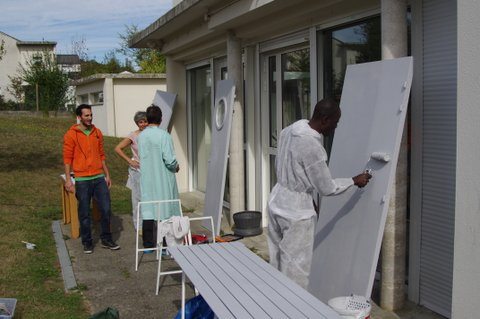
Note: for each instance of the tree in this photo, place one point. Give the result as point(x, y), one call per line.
point(16, 89)
point(90, 67)
point(112, 64)
point(148, 60)
point(46, 85)
point(2, 53)
point(151, 61)
point(2, 49)
point(79, 47)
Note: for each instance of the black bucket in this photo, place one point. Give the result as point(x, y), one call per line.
point(247, 223)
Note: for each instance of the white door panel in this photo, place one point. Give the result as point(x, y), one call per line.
point(350, 226)
point(165, 101)
point(217, 163)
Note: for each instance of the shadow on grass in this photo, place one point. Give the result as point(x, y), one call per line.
point(29, 161)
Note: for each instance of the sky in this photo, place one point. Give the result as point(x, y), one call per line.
point(98, 22)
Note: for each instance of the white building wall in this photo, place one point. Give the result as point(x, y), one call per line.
point(466, 271)
point(99, 111)
point(109, 105)
point(28, 51)
point(122, 97)
point(8, 65)
point(100, 117)
point(130, 96)
point(13, 58)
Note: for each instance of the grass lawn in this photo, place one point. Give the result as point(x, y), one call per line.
point(30, 199)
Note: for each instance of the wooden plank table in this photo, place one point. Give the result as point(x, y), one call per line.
point(236, 283)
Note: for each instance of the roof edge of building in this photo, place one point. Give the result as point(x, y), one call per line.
point(51, 43)
point(100, 76)
point(176, 11)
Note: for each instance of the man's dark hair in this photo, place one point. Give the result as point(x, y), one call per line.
point(154, 114)
point(78, 110)
point(325, 108)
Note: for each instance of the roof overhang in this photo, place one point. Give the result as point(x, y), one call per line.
point(194, 21)
point(196, 27)
point(37, 43)
point(177, 18)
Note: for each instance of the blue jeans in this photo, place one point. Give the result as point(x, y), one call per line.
point(84, 192)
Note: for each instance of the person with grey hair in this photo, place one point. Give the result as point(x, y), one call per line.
point(302, 171)
point(133, 181)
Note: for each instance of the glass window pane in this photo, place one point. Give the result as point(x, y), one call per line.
point(223, 73)
point(295, 86)
point(272, 100)
point(200, 92)
point(358, 43)
point(353, 44)
point(273, 174)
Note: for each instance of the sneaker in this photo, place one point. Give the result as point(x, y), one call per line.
point(110, 244)
point(88, 248)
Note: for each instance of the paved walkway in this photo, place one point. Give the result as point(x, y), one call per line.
point(108, 278)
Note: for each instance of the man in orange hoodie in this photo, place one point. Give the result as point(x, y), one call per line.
point(84, 155)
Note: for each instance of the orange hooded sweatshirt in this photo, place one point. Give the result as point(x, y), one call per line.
point(84, 153)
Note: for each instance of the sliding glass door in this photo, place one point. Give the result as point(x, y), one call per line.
point(200, 98)
point(285, 97)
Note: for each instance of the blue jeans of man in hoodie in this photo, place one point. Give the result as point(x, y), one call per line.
point(84, 192)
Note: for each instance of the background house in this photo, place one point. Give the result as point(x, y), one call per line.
point(286, 55)
point(18, 53)
point(116, 97)
point(70, 64)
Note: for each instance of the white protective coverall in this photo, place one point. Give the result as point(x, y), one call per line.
point(301, 167)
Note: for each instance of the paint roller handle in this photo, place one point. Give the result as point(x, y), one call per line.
point(361, 180)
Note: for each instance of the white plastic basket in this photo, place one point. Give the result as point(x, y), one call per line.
point(10, 304)
point(351, 307)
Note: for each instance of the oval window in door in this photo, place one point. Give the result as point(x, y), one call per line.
point(220, 114)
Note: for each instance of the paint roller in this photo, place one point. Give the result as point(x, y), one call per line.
point(381, 156)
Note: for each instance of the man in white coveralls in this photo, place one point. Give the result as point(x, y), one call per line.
point(301, 168)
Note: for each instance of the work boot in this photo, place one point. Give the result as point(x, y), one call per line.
point(110, 244)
